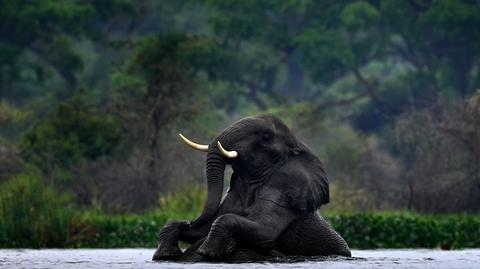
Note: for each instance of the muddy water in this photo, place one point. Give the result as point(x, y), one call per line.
point(140, 258)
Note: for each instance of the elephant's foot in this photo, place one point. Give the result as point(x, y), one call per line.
point(168, 247)
point(210, 251)
point(217, 249)
point(166, 253)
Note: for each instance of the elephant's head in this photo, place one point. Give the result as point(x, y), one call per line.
point(256, 147)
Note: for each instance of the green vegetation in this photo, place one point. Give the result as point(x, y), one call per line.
point(139, 230)
point(361, 230)
point(38, 217)
point(94, 92)
point(33, 215)
point(73, 133)
point(407, 230)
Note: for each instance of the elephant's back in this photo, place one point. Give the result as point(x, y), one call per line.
point(311, 235)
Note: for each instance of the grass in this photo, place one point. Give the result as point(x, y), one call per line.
point(33, 215)
point(140, 230)
point(36, 216)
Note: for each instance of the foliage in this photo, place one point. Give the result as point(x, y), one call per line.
point(362, 175)
point(74, 132)
point(167, 65)
point(376, 87)
point(156, 87)
point(39, 37)
point(407, 230)
point(183, 204)
point(33, 215)
point(361, 230)
point(141, 230)
point(331, 40)
point(37, 216)
point(10, 114)
point(107, 231)
point(423, 138)
point(10, 161)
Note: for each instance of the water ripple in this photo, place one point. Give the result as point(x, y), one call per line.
point(140, 258)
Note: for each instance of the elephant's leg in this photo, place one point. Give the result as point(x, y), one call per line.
point(176, 230)
point(311, 235)
point(259, 229)
point(168, 240)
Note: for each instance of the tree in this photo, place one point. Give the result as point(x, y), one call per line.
point(322, 42)
point(38, 36)
point(440, 148)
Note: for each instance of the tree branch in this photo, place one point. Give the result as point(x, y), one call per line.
point(348, 101)
point(370, 89)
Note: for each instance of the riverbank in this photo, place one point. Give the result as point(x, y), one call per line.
point(35, 216)
point(361, 230)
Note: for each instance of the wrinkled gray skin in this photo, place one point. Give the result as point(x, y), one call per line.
point(270, 208)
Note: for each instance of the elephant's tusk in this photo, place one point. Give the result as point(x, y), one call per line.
point(193, 144)
point(229, 154)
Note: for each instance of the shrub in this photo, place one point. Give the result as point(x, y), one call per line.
point(75, 131)
point(33, 215)
point(119, 231)
point(36, 216)
point(141, 230)
point(407, 230)
point(186, 203)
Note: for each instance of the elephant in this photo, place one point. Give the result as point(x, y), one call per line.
point(270, 207)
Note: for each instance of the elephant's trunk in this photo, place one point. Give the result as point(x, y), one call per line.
point(215, 173)
point(215, 176)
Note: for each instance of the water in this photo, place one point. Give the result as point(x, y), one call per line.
point(140, 258)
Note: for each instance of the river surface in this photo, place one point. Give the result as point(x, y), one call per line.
point(140, 258)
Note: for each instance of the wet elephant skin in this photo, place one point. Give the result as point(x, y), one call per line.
point(270, 210)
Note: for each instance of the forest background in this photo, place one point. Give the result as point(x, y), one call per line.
point(94, 92)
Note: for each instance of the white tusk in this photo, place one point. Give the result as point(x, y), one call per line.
point(193, 144)
point(229, 154)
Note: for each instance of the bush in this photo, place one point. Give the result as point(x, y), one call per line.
point(36, 216)
point(408, 230)
point(141, 230)
point(33, 215)
point(75, 131)
point(120, 231)
point(187, 203)
point(362, 175)
point(360, 230)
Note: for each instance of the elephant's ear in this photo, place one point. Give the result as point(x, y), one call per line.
point(301, 184)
